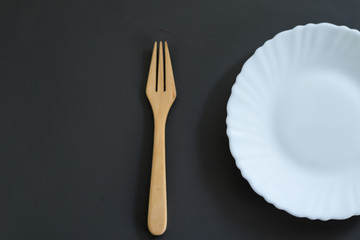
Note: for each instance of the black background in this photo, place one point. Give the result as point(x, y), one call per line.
point(76, 128)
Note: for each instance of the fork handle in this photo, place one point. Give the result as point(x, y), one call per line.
point(157, 215)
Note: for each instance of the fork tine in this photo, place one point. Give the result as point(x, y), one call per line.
point(151, 82)
point(160, 80)
point(169, 76)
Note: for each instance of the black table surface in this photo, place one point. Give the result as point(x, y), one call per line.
point(76, 128)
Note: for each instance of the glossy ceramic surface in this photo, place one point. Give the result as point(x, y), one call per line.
point(294, 121)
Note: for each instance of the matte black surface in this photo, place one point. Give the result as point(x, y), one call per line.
point(76, 128)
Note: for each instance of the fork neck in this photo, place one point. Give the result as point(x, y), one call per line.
point(160, 121)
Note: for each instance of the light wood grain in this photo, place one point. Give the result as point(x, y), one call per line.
point(161, 94)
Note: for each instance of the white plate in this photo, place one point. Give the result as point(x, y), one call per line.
point(294, 121)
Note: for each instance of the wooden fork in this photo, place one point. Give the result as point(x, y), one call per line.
point(161, 94)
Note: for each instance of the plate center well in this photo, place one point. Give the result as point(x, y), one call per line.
point(316, 119)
